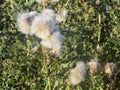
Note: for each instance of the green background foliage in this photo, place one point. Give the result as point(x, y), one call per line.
point(89, 23)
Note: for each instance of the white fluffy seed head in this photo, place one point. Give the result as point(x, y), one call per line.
point(50, 17)
point(110, 68)
point(44, 24)
point(82, 66)
point(33, 14)
point(54, 42)
point(48, 14)
point(78, 73)
point(93, 66)
point(57, 43)
point(24, 21)
point(41, 28)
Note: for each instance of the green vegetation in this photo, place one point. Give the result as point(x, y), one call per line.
point(89, 23)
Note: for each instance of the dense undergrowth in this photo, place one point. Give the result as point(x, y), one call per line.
point(89, 23)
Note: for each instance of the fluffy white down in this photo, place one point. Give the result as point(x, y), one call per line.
point(43, 24)
point(48, 13)
point(78, 73)
point(54, 42)
point(82, 66)
point(110, 68)
point(93, 65)
point(24, 21)
point(33, 14)
point(50, 16)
